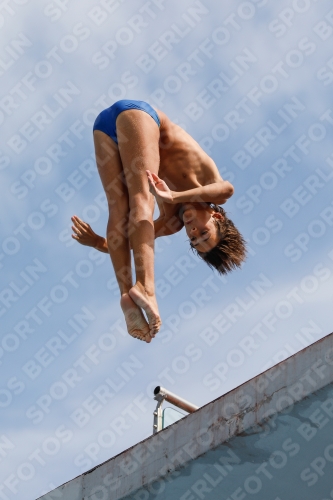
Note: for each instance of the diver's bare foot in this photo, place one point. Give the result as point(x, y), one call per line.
point(149, 305)
point(136, 323)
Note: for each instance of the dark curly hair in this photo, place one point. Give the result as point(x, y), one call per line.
point(230, 251)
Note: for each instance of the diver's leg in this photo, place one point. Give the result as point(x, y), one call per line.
point(138, 138)
point(112, 176)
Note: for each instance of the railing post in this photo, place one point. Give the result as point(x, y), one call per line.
point(162, 394)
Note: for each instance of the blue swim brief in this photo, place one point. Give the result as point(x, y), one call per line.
point(106, 120)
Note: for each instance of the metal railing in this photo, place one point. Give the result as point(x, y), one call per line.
point(161, 395)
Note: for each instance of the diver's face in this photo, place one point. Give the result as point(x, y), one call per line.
point(200, 227)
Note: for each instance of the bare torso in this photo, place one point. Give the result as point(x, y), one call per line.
point(183, 163)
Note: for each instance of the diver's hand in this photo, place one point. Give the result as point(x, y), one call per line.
point(84, 234)
point(159, 188)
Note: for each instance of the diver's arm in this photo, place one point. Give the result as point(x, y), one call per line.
point(217, 192)
point(168, 223)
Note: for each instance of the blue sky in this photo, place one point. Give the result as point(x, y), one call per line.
point(252, 83)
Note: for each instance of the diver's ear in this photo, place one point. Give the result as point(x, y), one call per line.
point(217, 215)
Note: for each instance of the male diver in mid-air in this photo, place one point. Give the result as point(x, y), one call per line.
point(140, 152)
